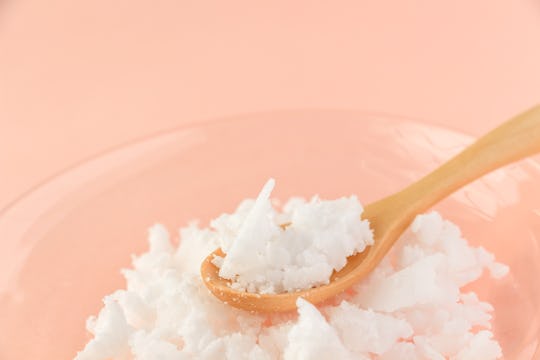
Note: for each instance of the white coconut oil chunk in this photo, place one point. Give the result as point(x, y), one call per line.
point(416, 304)
point(296, 249)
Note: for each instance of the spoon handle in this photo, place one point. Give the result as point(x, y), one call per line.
point(515, 139)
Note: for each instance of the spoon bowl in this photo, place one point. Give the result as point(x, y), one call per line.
point(513, 140)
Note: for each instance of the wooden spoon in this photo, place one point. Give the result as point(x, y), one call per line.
point(389, 217)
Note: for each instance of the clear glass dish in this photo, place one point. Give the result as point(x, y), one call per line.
point(62, 245)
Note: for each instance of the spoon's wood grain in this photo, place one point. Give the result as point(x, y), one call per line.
point(389, 217)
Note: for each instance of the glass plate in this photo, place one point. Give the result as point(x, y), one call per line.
point(62, 245)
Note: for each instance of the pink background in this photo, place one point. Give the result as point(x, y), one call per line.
point(79, 77)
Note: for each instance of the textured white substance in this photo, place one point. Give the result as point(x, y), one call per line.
point(410, 307)
point(263, 257)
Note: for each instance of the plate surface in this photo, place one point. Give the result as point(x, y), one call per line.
point(62, 245)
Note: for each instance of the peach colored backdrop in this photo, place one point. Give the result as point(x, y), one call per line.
point(77, 77)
